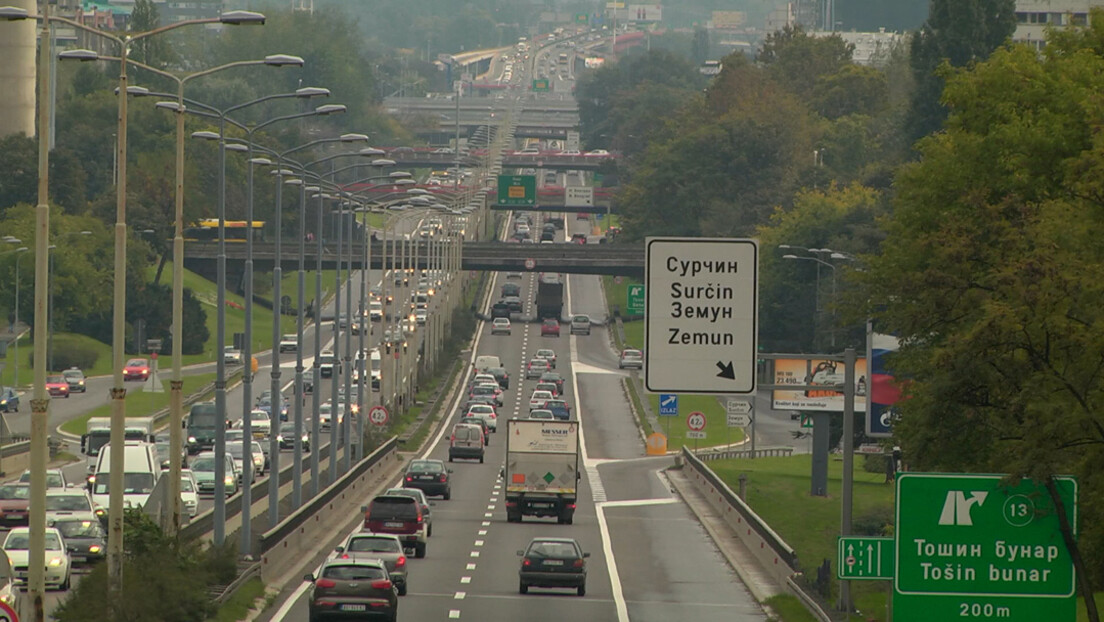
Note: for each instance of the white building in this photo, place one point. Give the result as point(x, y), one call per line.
point(871, 48)
point(1033, 17)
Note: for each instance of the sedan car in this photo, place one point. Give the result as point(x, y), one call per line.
point(553, 562)
point(552, 376)
point(550, 328)
point(580, 325)
point(500, 326)
point(536, 367)
point(136, 369)
point(9, 400)
point(351, 589)
point(75, 378)
point(429, 476)
point(289, 343)
point(57, 385)
point(15, 503)
point(539, 399)
point(487, 411)
point(85, 540)
point(513, 303)
point(17, 546)
point(547, 354)
point(69, 503)
point(286, 437)
point(385, 547)
point(631, 358)
point(485, 391)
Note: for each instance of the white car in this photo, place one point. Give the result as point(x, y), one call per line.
point(17, 546)
point(539, 399)
point(232, 356)
point(259, 422)
point(541, 413)
point(69, 503)
point(420, 316)
point(598, 152)
point(189, 492)
point(325, 416)
point(513, 275)
point(289, 343)
point(487, 412)
point(547, 354)
point(500, 326)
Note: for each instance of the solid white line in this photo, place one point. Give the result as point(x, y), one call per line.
point(632, 503)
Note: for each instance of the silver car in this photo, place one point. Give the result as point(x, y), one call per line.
point(382, 546)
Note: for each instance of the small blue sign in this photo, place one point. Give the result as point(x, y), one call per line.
point(598, 216)
point(668, 405)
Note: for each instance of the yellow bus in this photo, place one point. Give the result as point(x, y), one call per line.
point(206, 230)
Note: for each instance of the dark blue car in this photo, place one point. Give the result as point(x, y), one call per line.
point(559, 408)
point(9, 400)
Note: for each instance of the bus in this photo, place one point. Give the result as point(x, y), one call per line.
point(563, 58)
point(206, 230)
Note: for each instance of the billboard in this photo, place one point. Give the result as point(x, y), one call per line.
point(884, 390)
point(729, 20)
point(816, 372)
point(593, 62)
point(638, 12)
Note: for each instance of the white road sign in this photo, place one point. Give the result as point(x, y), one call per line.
point(696, 421)
point(737, 407)
point(738, 421)
point(579, 196)
point(572, 142)
point(701, 316)
point(378, 415)
point(698, 434)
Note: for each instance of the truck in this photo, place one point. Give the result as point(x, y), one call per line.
point(549, 298)
point(200, 425)
point(98, 433)
point(542, 469)
point(141, 470)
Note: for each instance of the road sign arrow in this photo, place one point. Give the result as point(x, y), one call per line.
point(726, 370)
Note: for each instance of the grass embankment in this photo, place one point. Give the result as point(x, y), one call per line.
point(237, 607)
point(62, 341)
point(139, 403)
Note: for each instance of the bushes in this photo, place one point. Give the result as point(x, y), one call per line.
point(70, 353)
point(877, 521)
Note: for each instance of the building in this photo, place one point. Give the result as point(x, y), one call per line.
point(1034, 16)
point(871, 48)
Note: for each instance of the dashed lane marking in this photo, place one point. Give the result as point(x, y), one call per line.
point(460, 595)
point(465, 579)
point(479, 543)
point(482, 532)
point(454, 614)
point(475, 553)
point(470, 567)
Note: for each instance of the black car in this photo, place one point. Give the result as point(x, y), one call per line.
point(500, 309)
point(553, 562)
point(511, 289)
point(513, 303)
point(286, 436)
point(429, 476)
point(548, 236)
point(501, 375)
point(85, 539)
point(551, 376)
point(352, 589)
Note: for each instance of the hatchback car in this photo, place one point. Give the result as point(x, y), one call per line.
point(536, 367)
point(541, 413)
point(539, 399)
point(502, 377)
point(17, 546)
point(467, 442)
point(85, 540)
point(487, 391)
point(69, 503)
point(15, 503)
point(382, 546)
point(429, 476)
point(513, 303)
point(552, 376)
point(500, 326)
point(559, 409)
point(189, 492)
point(553, 562)
point(399, 515)
point(136, 369)
point(547, 354)
point(550, 328)
point(487, 412)
point(75, 378)
point(511, 289)
point(352, 589)
point(286, 437)
point(57, 385)
point(631, 358)
point(500, 309)
point(580, 325)
point(9, 400)
point(551, 387)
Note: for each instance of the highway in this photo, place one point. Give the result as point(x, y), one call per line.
point(650, 559)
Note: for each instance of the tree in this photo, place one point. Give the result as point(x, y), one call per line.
point(957, 32)
point(152, 51)
point(797, 60)
point(990, 277)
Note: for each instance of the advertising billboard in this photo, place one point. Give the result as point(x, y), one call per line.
point(884, 390)
point(828, 374)
point(729, 20)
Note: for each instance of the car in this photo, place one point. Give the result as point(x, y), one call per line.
point(421, 316)
point(401, 516)
point(375, 311)
point(232, 356)
point(500, 309)
point(631, 358)
point(580, 325)
point(203, 467)
point(164, 451)
point(553, 562)
point(597, 152)
point(85, 540)
point(429, 476)
point(9, 400)
point(350, 588)
point(552, 376)
point(286, 437)
point(559, 408)
point(289, 343)
point(511, 289)
point(255, 455)
point(136, 369)
point(382, 546)
point(487, 391)
point(325, 415)
point(55, 478)
point(328, 365)
point(75, 378)
point(551, 387)
point(479, 421)
point(541, 413)
point(69, 503)
point(513, 275)
point(550, 328)
point(57, 385)
point(513, 303)
point(487, 411)
point(579, 238)
point(423, 502)
point(536, 367)
point(15, 503)
point(500, 326)
point(17, 546)
point(501, 376)
point(547, 354)
point(539, 399)
point(189, 492)
point(467, 442)
point(259, 422)
point(548, 237)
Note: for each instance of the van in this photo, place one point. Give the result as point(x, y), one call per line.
point(466, 442)
point(399, 515)
point(141, 470)
point(375, 362)
point(487, 361)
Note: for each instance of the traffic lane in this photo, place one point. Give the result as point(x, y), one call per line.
point(636, 478)
point(670, 569)
point(611, 430)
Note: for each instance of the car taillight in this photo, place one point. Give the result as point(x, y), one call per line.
point(325, 583)
point(526, 562)
point(444, 478)
point(409, 478)
point(571, 506)
point(382, 584)
point(578, 563)
point(401, 561)
point(345, 556)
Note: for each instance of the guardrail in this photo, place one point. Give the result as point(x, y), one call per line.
point(705, 455)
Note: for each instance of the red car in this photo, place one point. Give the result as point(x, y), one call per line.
point(136, 369)
point(15, 502)
point(57, 385)
point(550, 328)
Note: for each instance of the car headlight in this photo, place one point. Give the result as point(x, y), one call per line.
point(305, 438)
point(8, 598)
point(229, 480)
point(258, 461)
point(55, 562)
point(191, 439)
point(95, 548)
point(279, 438)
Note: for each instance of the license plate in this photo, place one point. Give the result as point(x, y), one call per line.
point(542, 505)
point(426, 478)
point(553, 562)
point(77, 558)
point(394, 525)
point(354, 607)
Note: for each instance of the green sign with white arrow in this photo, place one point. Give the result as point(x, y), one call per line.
point(864, 557)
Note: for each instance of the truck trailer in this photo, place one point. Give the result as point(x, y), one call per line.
point(542, 469)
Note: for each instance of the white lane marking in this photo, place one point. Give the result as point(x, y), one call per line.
point(471, 567)
point(454, 614)
point(478, 543)
point(475, 553)
point(488, 515)
point(489, 507)
point(460, 595)
point(486, 523)
point(465, 579)
point(482, 532)
point(632, 503)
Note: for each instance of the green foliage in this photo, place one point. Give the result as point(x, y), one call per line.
point(798, 61)
point(69, 352)
point(194, 331)
point(874, 521)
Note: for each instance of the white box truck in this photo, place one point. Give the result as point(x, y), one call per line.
point(98, 433)
point(542, 469)
point(141, 470)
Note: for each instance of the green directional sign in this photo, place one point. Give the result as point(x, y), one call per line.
point(517, 190)
point(970, 547)
point(864, 558)
point(542, 85)
point(635, 299)
point(580, 18)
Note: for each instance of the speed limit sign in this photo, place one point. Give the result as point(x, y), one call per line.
point(696, 421)
point(378, 415)
point(7, 614)
point(530, 264)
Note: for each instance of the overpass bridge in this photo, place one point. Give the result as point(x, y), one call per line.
point(547, 161)
point(613, 259)
point(549, 198)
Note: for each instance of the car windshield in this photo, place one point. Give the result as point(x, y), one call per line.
point(287, 428)
point(136, 363)
point(53, 479)
point(203, 464)
point(15, 491)
point(373, 545)
point(75, 374)
point(79, 528)
point(55, 379)
point(353, 573)
point(258, 415)
point(553, 549)
point(425, 466)
point(481, 408)
point(67, 503)
point(542, 395)
point(186, 485)
point(133, 484)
